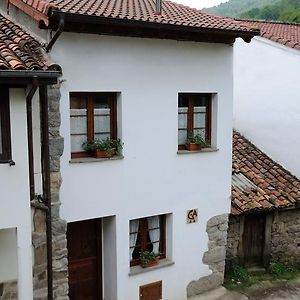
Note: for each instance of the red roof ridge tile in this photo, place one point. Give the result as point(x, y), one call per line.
point(266, 21)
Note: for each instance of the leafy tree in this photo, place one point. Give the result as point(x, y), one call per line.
point(291, 16)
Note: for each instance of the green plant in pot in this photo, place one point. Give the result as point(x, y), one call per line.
point(103, 147)
point(195, 142)
point(148, 259)
point(117, 145)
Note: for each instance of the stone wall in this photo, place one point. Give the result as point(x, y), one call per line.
point(215, 256)
point(8, 290)
point(285, 237)
point(233, 236)
point(59, 226)
point(284, 244)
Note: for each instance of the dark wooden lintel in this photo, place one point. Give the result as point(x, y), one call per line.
point(113, 30)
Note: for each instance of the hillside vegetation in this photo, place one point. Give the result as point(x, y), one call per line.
point(278, 10)
point(283, 10)
point(234, 8)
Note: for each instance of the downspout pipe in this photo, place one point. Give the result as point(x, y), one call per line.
point(46, 183)
point(30, 136)
point(59, 31)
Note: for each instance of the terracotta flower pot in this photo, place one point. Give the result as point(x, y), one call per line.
point(100, 153)
point(192, 147)
point(151, 263)
point(104, 153)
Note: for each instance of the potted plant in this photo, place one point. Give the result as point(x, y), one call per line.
point(103, 148)
point(148, 259)
point(195, 142)
point(117, 145)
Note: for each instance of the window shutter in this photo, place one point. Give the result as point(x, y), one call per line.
point(152, 291)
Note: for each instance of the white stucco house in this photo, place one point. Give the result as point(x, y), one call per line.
point(267, 91)
point(138, 74)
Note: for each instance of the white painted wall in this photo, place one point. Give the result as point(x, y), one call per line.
point(14, 186)
point(152, 178)
point(267, 99)
point(8, 257)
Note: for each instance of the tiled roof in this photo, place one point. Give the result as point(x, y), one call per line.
point(20, 51)
point(273, 187)
point(42, 6)
point(138, 10)
point(283, 33)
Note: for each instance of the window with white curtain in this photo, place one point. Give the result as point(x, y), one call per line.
point(147, 234)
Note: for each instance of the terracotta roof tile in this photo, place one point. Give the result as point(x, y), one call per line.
point(20, 51)
point(276, 187)
point(138, 10)
point(42, 6)
point(287, 34)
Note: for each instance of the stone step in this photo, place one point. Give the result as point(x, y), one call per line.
point(219, 294)
point(256, 269)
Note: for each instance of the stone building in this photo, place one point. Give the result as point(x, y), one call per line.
point(264, 224)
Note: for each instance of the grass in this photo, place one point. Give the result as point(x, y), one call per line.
point(239, 278)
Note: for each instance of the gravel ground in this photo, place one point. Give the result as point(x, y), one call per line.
point(289, 290)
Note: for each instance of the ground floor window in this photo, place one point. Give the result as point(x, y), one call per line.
point(147, 234)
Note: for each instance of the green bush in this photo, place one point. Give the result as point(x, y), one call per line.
point(240, 273)
point(277, 269)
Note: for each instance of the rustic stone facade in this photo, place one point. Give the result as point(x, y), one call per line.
point(283, 244)
point(285, 237)
point(233, 238)
point(8, 290)
point(214, 257)
point(59, 226)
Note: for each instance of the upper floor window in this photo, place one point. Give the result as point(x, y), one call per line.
point(194, 119)
point(147, 234)
point(93, 117)
point(5, 142)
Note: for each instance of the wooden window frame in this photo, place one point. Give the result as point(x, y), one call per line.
point(5, 156)
point(143, 231)
point(90, 96)
point(190, 115)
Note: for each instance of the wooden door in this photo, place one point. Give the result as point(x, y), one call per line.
point(254, 239)
point(85, 260)
point(152, 291)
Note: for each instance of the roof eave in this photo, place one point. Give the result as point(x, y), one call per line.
point(73, 23)
point(15, 77)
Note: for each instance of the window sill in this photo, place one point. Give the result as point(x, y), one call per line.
point(84, 160)
point(203, 150)
point(139, 270)
point(9, 162)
